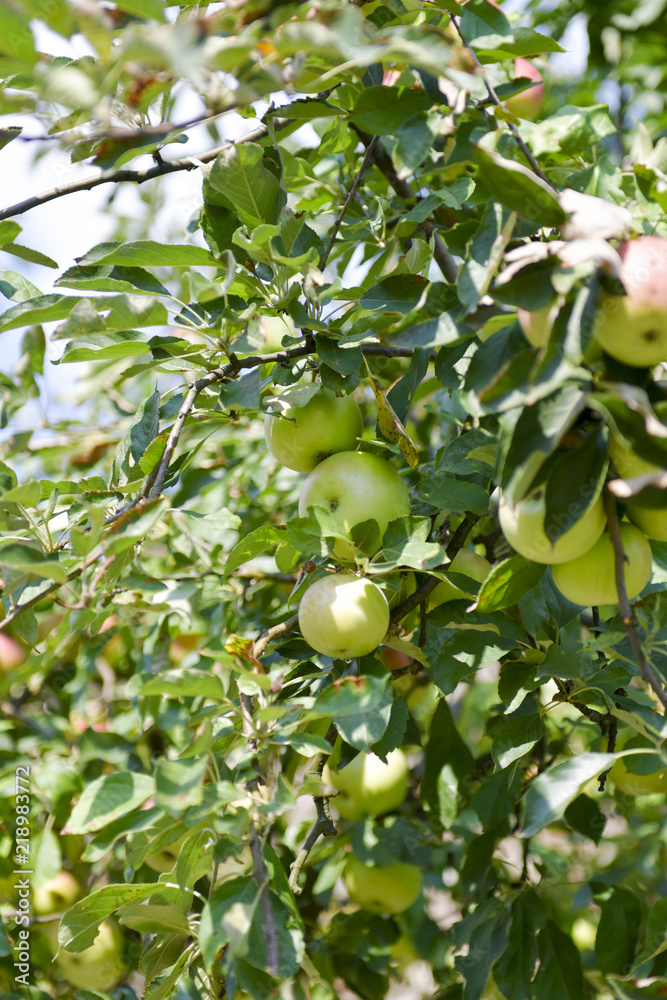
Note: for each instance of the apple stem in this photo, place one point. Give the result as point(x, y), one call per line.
point(645, 667)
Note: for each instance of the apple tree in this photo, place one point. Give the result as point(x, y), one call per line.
point(332, 639)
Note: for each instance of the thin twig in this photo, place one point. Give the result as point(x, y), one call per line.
point(247, 720)
point(18, 609)
point(323, 827)
point(534, 166)
point(348, 201)
point(282, 629)
point(382, 161)
point(261, 876)
point(456, 542)
point(112, 176)
point(626, 611)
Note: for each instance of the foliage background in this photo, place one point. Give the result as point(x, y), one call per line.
point(147, 707)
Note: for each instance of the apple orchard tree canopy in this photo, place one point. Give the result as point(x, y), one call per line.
point(332, 640)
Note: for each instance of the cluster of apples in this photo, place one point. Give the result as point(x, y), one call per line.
point(340, 615)
point(369, 787)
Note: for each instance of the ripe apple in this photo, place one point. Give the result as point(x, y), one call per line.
point(589, 579)
point(633, 327)
point(11, 654)
point(56, 895)
point(355, 486)
point(343, 615)
point(467, 563)
point(523, 527)
point(651, 520)
point(302, 436)
point(395, 660)
point(368, 786)
point(99, 967)
point(386, 889)
point(528, 103)
point(652, 772)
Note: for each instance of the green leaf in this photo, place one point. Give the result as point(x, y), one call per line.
point(107, 798)
point(42, 309)
point(552, 791)
point(25, 558)
point(179, 784)
point(148, 253)
point(560, 975)
point(570, 130)
point(143, 8)
point(445, 749)
point(104, 347)
point(29, 494)
point(186, 683)
point(16, 41)
point(8, 134)
point(9, 230)
point(384, 110)
point(508, 582)
point(112, 278)
point(585, 816)
point(515, 738)
point(360, 708)
point(518, 188)
point(227, 917)
point(26, 253)
point(514, 970)
point(453, 494)
point(618, 929)
point(14, 286)
point(405, 544)
point(80, 925)
point(242, 177)
point(575, 482)
point(253, 544)
point(145, 425)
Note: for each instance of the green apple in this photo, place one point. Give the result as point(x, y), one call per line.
point(651, 520)
point(56, 895)
point(99, 967)
point(633, 327)
point(395, 660)
point(302, 436)
point(523, 527)
point(536, 325)
point(627, 462)
point(589, 579)
point(343, 615)
point(355, 486)
point(467, 563)
point(583, 933)
point(528, 103)
point(651, 776)
point(368, 786)
point(386, 889)
point(11, 654)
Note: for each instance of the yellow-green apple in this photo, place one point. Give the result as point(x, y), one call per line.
point(523, 526)
point(467, 563)
point(528, 103)
point(56, 895)
point(355, 486)
point(536, 326)
point(368, 786)
point(589, 579)
point(11, 654)
point(386, 889)
point(652, 520)
point(651, 776)
point(633, 327)
point(99, 967)
point(302, 436)
point(343, 615)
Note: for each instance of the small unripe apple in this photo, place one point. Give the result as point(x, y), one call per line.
point(528, 103)
point(303, 436)
point(368, 786)
point(536, 326)
point(633, 327)
point(343, 616)
point(386, 889)
point(589, 580)
point(56, 895)
point(523, 527)
point(11, 654)
point(467, 563)
point(99, 967)
point(355, 486)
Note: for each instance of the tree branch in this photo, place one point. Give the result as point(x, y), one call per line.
point(261, 876)
point(18, 609)
point(323, 826)
point(645, 667)
point(348, 201)
point(282, 629)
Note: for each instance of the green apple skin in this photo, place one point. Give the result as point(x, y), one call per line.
point(589, 579)
point(343, 616)
point(11, 654)
point(528, 103)
point(368, 786)
point(466, 562)
point(654, 781)
point(99, 967)
point(56, 895)
point(305, 435)
point(536, 326)
point(633, 328)
point(387, 889)
point(355, 486)
point(523, 527)
point(651, 520)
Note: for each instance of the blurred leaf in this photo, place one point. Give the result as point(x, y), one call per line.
point(560, 975)
point(507, 583)
point(518, 188)
point(552, 791)
point(107, 798)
